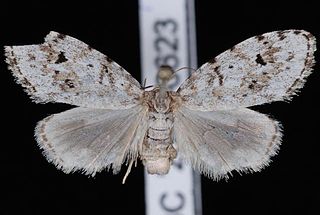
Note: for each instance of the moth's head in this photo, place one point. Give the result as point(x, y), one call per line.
point(158, 166)
point(165, 73)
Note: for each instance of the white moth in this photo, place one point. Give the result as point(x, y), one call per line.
point(118, 121)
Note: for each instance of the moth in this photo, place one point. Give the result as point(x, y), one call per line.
point(206, 120)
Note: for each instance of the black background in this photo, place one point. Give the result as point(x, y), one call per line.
point(290, 184)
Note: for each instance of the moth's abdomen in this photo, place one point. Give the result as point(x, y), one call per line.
point(157, 150)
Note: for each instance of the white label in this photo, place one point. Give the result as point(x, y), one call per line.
point(165, 40)
point(163, 37)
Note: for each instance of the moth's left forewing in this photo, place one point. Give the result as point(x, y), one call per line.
point(262, 69)
point(218, 142)
point(67, 70)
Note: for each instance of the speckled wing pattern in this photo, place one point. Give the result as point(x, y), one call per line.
point(64, 69)
point(213, 129)
point(262, 69)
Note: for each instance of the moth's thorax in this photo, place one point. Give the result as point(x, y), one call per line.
point(161, 100)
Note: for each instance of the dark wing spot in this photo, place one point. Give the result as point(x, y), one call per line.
point(45, 139)
point(290, 56)
point(213, 60)
point(105, 69)
point(260, 60)
point(109, 60)
point(61, 36)
point(265, 43)
point(281, 35)
point(216, 69)
point(209, 82)
point(194, 88)
point(56, 72)
point(90, 65)
point(230, 66)
point(220, 76)
point(102, 73)
point(111, 78)
point(260, 37)
point(297, 32)
point(28, 85)
point(309, 61)
point(46, 48)
point(31, 57)
point(61, 58)
point(69, 83)
point(25, 82)
point(12, 59)
point(308, 37)
point(251, 86)
point(292, 87)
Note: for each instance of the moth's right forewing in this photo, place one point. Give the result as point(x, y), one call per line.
point(262, 69)
point(92, 139)
point(215, 143)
